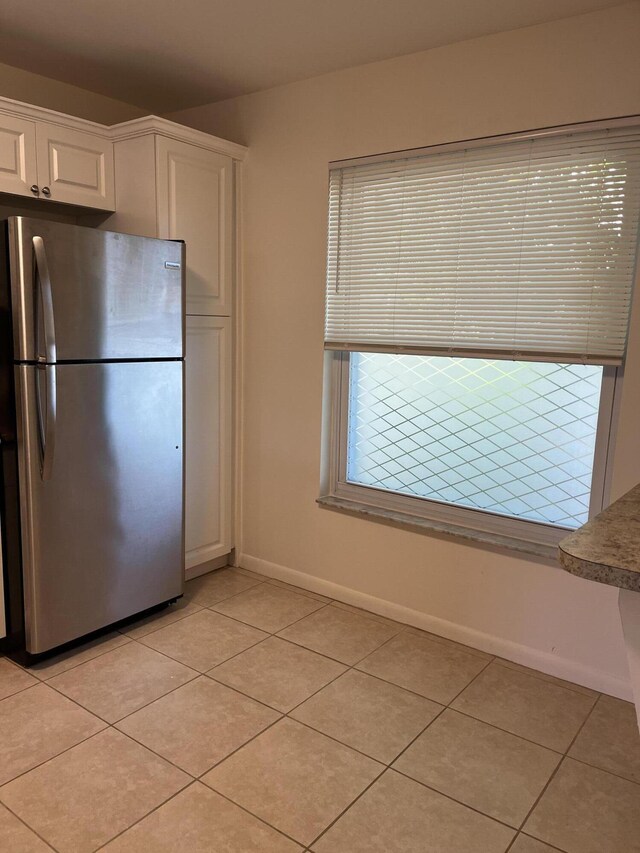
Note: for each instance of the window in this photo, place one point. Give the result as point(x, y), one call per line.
point(476, 315)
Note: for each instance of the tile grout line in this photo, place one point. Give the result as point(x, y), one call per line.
point(589, 692)
point(251, 814)
point(521, 834)
point(454, 800)
point(237, 749)
point(21, 690)
point(320, 607)
point(505, 731)
point(272, 707)
point(44, 680)
point(349, 667)
point(283, 715)
point(557, 769)
point(107, 724)
point(195, 675)
point(389, 766)
point(602, 769)
point(405, 626)
point(135, 822)
point(193, 779)
point(345, 810)
point(159, 627)
point(30, 828)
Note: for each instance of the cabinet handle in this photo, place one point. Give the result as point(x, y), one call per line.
point(35, 189)
point(46, 191)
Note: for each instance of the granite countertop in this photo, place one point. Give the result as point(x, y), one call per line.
point(607, 548)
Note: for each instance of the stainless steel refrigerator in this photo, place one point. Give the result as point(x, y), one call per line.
point(91, 393)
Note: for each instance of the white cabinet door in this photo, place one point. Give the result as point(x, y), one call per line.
point(208, 439)
point(18, 172)
point(195, 198)
point(75, 167)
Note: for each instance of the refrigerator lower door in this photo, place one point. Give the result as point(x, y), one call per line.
point(101, 509)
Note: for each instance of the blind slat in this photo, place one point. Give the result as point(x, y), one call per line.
point(521, 247)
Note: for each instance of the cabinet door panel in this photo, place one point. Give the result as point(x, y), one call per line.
point(77, 167)
point(18, 171)
point(195, 197)
point(208, 439)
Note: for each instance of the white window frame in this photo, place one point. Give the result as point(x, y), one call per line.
point(407, 510)
point(523, 535)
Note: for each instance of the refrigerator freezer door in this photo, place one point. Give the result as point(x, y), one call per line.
point(102, 537)
point(113, 296)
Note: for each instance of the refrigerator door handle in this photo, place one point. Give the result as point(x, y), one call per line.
point(46, 419)
point(46, 295)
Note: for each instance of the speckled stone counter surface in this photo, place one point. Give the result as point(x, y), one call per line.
point(607, 548)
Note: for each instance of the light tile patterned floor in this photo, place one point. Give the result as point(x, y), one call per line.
point(254, 717)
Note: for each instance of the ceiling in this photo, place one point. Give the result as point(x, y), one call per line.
point(161, 55)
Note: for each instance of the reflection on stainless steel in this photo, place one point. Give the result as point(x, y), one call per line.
point(99, 424)
point(46, 416)
point(113, 296)
point(101, 536)
point(46, 300)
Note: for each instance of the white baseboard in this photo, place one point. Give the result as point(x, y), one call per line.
point(545, 662)
point(198, 556)
point(192, 572)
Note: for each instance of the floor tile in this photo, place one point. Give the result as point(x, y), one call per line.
point(585, 810)
point(370, 715)
point(37, 724)
point(278, 673)
point(268, 607)
point(120, 682)
point(527, 706)
point(368, 614)
point(240, 570)
point(13, 678)
point(215, 586)
point(397, 815)
point(570, 685)
point(427, 635)
point(198, 724)
point(334, 632)
point(490, 770)
point(167, 616)
point(89, 794)
point(610, 739)
point(526, 844)
point(297, 589)
point(294, 778)
point(15, 837)
point(203, 640)
point(49, 667)
point(197, 820)
point(437, 670)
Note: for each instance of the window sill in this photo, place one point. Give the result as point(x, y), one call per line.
point(425, 525)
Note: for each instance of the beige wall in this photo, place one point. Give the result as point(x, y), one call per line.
point(44, 92)
point(569, 71)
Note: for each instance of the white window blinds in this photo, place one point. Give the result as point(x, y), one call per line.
point(519, 249)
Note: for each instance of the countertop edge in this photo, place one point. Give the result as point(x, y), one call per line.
point(599, 572)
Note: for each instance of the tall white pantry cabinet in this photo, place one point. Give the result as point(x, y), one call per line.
point(179, 184)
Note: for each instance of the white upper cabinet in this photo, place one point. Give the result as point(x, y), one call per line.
point(52, 162)
point(75, 167)
point(195, 204)
point(18, 172)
